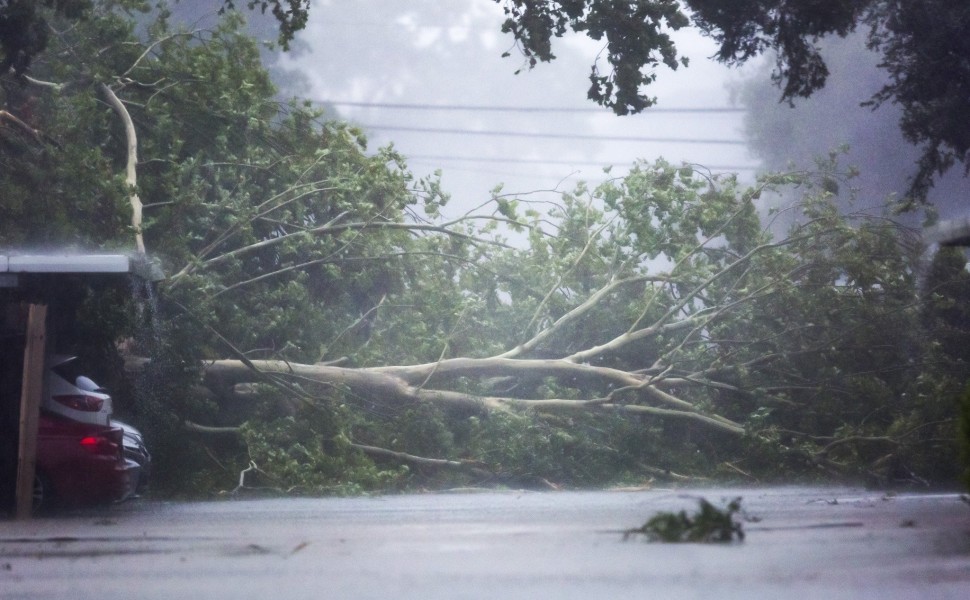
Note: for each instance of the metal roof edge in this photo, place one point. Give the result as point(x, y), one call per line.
point(65, 263)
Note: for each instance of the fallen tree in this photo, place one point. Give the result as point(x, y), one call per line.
point(398, 384)
point(336, 320)
point(714, 325)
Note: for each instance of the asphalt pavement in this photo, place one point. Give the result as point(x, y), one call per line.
point(800, 542)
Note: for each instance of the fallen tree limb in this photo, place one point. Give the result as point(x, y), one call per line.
point(419, 460)
point(197, 428)
point(10, 118)
point(668, 474)
point(556, 404)
point(393, 384)
point(131, 174)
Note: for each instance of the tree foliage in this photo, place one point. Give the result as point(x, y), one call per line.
point(322, 326)
point(292, 15)
point(25, 24)
point(923, 44)
point(635, 35)
point(23, 28)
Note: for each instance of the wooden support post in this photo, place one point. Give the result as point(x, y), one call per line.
point(30, 399)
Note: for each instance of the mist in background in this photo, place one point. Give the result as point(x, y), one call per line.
point(780, 135)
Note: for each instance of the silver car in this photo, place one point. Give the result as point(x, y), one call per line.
point(75, 396)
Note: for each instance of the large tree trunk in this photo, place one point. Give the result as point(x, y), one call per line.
point(131, 174)
point(403, 384)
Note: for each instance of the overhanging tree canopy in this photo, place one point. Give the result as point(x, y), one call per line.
point(922, 44)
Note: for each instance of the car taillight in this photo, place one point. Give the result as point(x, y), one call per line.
point(100, 444)
point(81, 402)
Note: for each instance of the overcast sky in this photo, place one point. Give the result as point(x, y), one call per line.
point(444, 57)
point(429, 77)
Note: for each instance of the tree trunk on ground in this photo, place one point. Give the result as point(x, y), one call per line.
point(398, 385)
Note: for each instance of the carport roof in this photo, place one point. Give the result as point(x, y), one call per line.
point(12, 265)
point(65, 263)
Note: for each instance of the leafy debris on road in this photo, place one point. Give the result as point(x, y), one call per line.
point(708, 525)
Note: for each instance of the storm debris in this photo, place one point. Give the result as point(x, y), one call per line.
point(708, 525)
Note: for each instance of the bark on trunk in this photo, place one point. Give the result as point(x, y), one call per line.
point(397, 384)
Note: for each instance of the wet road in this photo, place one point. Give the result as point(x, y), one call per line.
point(802, 543)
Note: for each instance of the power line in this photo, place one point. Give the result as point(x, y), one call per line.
point(543, 161)
point(529, 109)
point(570, 136)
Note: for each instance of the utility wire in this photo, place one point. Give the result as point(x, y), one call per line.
point(570, 136)
point(527, 109)
point(544, 161)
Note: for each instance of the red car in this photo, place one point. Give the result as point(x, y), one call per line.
point(79, 463)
